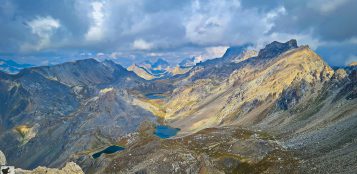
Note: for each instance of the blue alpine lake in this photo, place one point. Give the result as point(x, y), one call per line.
point(108, 150)
point(164, 132)
point(154, 96)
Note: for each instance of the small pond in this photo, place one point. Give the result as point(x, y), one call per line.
point(155, 96)
point(108, 150)
point(164, 132)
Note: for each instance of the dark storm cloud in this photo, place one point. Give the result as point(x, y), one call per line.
point(53, 31)
point(331, 22)
point(327, 20)
point(16, 15)
point(329, 25)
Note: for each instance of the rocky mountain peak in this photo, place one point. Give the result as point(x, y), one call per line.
point(245, 55)
point(340, 74)
point(112, 64)
point(86, 72)
point(160, 63)
point(188, 62)
point(108, 61)
point(233, 52)
point(89, 60)
point(353, 64)
point(275, 48)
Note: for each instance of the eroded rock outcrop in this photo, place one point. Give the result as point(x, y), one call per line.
point(2, 158)
point(69, 168)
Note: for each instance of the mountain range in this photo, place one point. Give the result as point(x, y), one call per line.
point(281, 109)
point(161, 69)
point(11, 67)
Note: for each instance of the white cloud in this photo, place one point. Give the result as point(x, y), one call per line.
point(221, 23)
point(154, 54)
point(45, 63)
point(100, 54)
point(327, 6)
point(95, 32)
point(171, 29)
point(353, 40)
point(141, 44)
point(43, 28)
point(208, 21)
point(115, 55)
point(271, 16)
point(210, 53)
point(214, 52)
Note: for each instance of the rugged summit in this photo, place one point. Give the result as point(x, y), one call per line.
point(188, 62)
point(233, 51)
point(353, 64)
point(275, 48)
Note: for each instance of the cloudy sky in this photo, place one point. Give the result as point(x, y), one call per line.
point(49, 32)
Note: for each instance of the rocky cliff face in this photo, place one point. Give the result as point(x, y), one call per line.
point(70, 167)
point(2, 158)
point(276, 48)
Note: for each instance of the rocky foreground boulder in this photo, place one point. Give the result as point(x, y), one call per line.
point(2, 158)
point(69, 168)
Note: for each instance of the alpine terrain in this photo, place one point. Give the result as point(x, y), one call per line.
point(281, 109)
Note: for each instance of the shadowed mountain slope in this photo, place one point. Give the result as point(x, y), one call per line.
point(61, 110)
